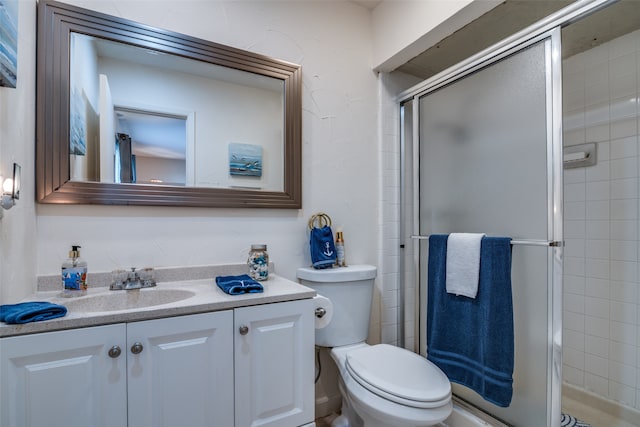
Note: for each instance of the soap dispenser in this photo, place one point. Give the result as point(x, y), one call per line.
point(74, 274)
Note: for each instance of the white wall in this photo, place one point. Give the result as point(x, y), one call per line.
point(601, 349)
point(17, 144)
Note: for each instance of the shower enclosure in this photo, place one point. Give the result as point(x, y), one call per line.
point(481, 151)
point(489, 161)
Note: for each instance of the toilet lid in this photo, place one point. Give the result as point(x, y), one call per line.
point(399, 375)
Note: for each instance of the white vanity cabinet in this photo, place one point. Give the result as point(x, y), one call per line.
point(64, 378)
point(193, 370)
point(274, 364)
point(179, 371)
point(154, 373)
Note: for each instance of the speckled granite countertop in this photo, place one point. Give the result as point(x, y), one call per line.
point(199, 296)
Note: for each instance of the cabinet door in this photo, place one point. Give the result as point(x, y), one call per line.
point(181, 371)
point(274, 365)
point(64, 378)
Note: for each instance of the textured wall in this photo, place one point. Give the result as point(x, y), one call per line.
point(18, 265)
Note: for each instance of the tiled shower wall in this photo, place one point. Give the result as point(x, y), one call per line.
point(390, 268)
point(601, 324)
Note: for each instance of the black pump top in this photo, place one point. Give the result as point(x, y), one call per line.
point(74, 253)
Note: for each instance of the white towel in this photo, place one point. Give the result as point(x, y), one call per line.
point(463, 263)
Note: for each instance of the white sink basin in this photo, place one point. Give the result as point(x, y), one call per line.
point(126, 300)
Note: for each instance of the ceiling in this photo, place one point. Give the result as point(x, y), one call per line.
point(512, 16)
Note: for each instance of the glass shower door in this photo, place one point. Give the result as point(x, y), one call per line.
point(490, 162)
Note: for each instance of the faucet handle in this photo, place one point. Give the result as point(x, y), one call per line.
point(118, 279)
point(133, 281)
point(147, 277)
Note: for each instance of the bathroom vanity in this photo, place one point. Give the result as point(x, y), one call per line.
point(206, 359)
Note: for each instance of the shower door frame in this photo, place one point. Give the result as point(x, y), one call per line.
point(550, 40)
point(548, 28)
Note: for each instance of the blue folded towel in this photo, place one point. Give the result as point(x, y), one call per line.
point(32, 311)
point(472, 340)
point(323, 250)
point(237, 285)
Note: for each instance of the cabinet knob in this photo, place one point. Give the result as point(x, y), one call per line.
point(244, 330)
point(137, 348)
point(114, 352)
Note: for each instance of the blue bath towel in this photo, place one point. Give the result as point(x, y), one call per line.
point(472, 340)
point(237, 285)
point(323, 250)
point(32, 311)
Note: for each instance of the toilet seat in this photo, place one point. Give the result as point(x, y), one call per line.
point(399, 375)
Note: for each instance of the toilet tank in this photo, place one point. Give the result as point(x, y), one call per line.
point(350, 290)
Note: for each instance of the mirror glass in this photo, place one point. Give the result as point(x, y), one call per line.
point(142, 116)
point(131, 114)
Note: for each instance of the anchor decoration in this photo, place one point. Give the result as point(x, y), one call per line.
point(327, 249)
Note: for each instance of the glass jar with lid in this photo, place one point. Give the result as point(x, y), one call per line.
point(258, 262)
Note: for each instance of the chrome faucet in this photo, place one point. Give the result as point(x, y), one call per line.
point(133, 280)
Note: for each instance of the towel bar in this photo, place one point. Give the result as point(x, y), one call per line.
point(550, 243)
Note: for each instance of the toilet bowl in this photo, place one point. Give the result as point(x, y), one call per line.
point(381, 385)
point(390, 386)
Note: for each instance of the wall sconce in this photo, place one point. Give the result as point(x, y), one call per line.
point(11, 188)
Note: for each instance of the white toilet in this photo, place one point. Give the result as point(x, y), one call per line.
point(381, 385)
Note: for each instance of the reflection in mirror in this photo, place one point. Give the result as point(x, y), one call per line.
point(163, 96)
point(158, 145)
point(134, 115)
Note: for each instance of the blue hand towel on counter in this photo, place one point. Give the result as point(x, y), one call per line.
point(472, 340)
point(32, 311)
point(237, 285)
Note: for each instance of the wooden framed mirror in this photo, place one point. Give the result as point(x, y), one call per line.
point(102, 78)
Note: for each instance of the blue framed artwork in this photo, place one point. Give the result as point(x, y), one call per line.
point(245, 160)
point(8, 43)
